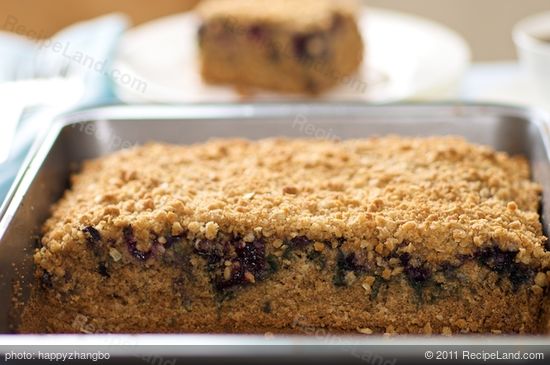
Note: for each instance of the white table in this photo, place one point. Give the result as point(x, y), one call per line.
point(502, 82)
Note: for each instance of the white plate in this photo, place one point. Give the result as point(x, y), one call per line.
point(406, 58)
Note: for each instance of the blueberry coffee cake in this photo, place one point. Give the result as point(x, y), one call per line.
point(296, 46)
point(380, 235)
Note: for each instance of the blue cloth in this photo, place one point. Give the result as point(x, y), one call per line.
point(96, 39)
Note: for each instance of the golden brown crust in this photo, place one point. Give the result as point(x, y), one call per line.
point(295, 15)
point(443, 197)
point(341, 219)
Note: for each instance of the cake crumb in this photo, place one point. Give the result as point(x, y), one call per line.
point(211, 230)
point(113, 252)
point(193, 227)
point(290, 190)
point(541, 280)
point(249, 237)
point(177, 229)
point(428, 329)
point(277, 243)
point(319, 246)
point(365, 331)
point(249, 277)
point(350, 278)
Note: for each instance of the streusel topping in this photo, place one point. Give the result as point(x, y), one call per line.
point(296, 14)
point(435, 198)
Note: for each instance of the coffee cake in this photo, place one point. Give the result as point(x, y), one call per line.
point(380, 235)
point(295, 46)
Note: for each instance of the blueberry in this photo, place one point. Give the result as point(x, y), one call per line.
point(128, 234)
point(344, 264)
point(415, 274)
point(464, 258)
point(252, 257)
point(131, 243)
point(300, 46)
point(236, 277)
point(102, 269)
point(310, 46)
point(418, 274)
point(405, 259)
point(229, 260)
point(244, 257)
point(257, 33)
point(206, 247)
point(273, 263)
point(318, 258)
point(378, 281)
point(337, 22)
point(212, 250)
point(503, 262)
point(520, 274)
point(171, 240)
point(447, 267)
point(349, 262)
point(92, 235)
point(496, 259)
point(300, 242)
point(46, 280)
point(140, 255)
point(37, 242)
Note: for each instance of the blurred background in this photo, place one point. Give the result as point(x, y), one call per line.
point(485, 24)
point(62, 55)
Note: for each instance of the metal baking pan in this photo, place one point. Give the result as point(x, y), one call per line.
point(96, 132)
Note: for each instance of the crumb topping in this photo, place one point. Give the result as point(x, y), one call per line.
point(433, 199)
point(300, 15)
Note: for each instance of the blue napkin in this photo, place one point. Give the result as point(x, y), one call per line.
point(96, 39)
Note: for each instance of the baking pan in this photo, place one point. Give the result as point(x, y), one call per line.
point(96, 132)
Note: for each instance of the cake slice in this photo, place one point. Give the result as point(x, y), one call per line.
point(383, 235)
point(295, 46)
